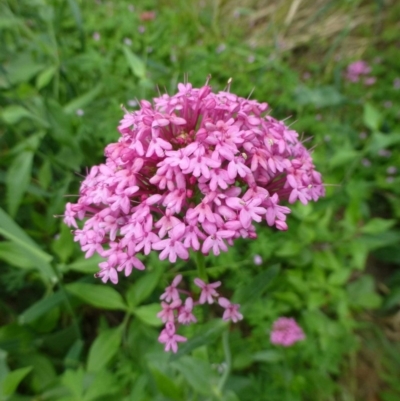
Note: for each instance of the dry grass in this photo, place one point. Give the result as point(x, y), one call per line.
point(328, 28)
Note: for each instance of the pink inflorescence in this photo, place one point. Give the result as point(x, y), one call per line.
point(357, 70)
point(195, 171)
point(286, 332)
point(174, 312)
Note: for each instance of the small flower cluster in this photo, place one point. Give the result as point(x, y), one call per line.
point(286, 332)
point(175, 312)
point(358, 69)
point(195, 171)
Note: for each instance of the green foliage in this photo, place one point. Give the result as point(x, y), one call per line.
point(66, 67)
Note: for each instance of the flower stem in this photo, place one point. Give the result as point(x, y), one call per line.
point(201, 267)
point(228, 360)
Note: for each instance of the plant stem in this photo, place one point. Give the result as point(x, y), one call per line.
point(201, 266)
point(228, 360)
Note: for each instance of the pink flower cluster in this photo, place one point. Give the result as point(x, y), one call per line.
point(286, 332)
point(175, 312)
point(358, 69)
point(195, 171)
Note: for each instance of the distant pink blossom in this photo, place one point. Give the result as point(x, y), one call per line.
point(286, 332)
point(356, 69)
point(360, 69)
point(369, 81)
point(257, 260)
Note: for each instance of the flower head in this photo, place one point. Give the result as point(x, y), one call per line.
point(286, 332)
point(231, 310)
point(191, 171)
point(207, 291)
point(170, 338)
point(357, 69)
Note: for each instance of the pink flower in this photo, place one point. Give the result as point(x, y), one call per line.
point(207, 290)
point(185, 315)
point(357, 69)
point(167, 313)
point(286, 332)
point(171, 293)
point(170, 339)
point(257, 260)
point(192, 171)
point(231, 310)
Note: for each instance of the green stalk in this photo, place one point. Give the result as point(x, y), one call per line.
point(201, 267)
point(228, 360)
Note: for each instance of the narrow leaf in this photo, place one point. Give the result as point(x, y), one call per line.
point(135, 63)
point(100, 296)
point(143, 287)
point(41, 307)
point(17, 180)
point(10, 230)
point(82, 101)
point(45, 77)
point(196, 372)
point(104, 348)
point(13, 114)
point(13, 379)
point(148, 314)
point(205, 336)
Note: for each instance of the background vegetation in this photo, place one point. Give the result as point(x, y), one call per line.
point(66, 66)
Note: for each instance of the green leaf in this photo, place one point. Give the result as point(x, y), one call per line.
point(18, 178)
point(102, 385)
point(344, 157)
point(86, 266)
point(22, 69)
point(377, 226)
point(82, 101)
point(43, 371)
point(165, 385)
point(208, 334)
point(322, 96)
point(10, 253)
point(72, 359)
point(248, 293)
point(10, 230)
point(270, 356)
point(196, 372)
point(13, 379)
point(135, 63)
point(45, 174)
point(4, 370)
point(371, 117)
point(148, 314)
point(382, 141)
point(105, 346)
point(100, 296)
point(143, 287)
point(73, 380)
point(76, 13)
point(362, 293)
point(45, 77)
point(63, 246)
point(12, 114)
point(41, 307)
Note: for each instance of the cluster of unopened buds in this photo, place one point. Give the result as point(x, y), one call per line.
point(175, 312)
point(193, 171)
